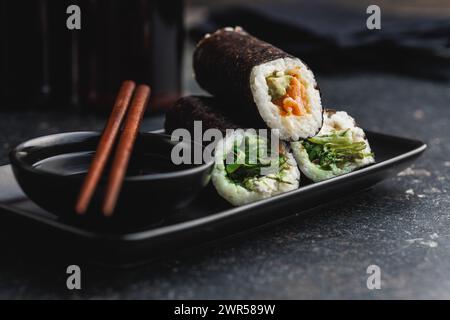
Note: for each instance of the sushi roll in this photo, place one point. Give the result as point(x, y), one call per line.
point(267, 85)
point(189, 109)
point(241, 180)
point(339, 148)
point(254, 172)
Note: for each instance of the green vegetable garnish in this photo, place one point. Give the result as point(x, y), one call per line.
point(335, 150)
point(243, 172)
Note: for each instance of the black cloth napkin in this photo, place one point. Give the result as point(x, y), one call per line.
point(332, 38)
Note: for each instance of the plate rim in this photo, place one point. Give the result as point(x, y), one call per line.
point(135, 236)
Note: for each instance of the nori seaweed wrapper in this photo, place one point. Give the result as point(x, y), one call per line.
point(197, 108)
point(224, 60)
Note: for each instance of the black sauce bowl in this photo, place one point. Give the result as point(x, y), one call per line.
point(51, 170)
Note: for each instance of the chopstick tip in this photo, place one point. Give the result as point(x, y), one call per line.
point(145, 88)
point(80, 209)
point(108, 209)
point(129, 82)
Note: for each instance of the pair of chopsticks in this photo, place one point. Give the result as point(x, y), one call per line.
point(134, 114)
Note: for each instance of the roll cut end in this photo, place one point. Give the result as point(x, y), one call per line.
point(286, 95)
point(241, 181)
point(339, 148)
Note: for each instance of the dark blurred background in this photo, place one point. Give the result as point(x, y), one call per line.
point(393, 80)
point(43, 64)
point(332, 35)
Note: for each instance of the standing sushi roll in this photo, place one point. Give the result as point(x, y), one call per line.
point(339, 148)
point(275, 89)
point(241, 181)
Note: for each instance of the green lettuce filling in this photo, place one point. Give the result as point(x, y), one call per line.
point(244, 170)
point(335, 150)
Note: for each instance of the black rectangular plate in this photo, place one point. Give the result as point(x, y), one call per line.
point(209, 218)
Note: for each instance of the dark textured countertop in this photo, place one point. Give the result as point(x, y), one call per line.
point(402, 225)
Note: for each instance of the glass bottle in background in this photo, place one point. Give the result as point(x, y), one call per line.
point(134, 39)
point(34, 52)
point(45, 64)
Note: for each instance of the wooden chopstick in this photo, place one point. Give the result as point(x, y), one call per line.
point(105, 146)
point(124, 148)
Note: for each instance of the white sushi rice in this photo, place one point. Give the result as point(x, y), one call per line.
point(291, 127)
point(333, 121)
point(262, 187)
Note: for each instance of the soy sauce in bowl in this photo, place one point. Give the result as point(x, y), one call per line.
point(51, 170)
point(77, 163)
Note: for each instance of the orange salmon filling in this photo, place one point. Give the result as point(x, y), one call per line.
point(295, 101)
